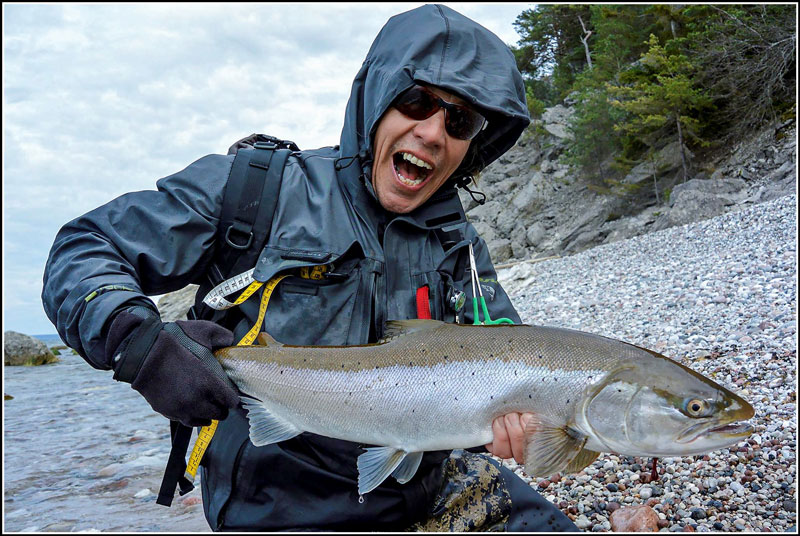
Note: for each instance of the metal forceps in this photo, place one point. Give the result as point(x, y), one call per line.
point(479, 296)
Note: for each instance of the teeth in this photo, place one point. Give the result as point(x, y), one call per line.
point(416, 161)
point(404, 180)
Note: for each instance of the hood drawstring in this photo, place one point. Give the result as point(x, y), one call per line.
point(364, 159)
point(463, 182)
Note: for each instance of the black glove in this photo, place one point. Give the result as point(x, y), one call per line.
point(171, 364)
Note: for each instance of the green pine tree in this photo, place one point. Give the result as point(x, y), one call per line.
point(661, 100)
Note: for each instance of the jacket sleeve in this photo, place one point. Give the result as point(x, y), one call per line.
point(497, 301)
point(139, 244)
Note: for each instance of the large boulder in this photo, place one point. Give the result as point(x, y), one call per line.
point(556, 121)
point(21, 349)
point(666, 160)
point(700, 199)
point(175, 305)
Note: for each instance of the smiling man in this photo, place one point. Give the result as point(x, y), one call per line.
point(419, 143)
point(377, 218)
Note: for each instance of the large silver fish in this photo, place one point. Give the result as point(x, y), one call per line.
point(430, 385)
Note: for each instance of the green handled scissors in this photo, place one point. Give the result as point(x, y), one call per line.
point(479, 296)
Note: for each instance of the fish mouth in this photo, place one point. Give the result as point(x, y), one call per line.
point(714, 430)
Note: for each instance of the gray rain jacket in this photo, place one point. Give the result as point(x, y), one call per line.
point(152, 242)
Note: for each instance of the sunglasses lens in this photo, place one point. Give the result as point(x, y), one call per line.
point(461, 122)
point(417, 104)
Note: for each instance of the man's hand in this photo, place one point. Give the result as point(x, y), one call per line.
point(172, 366)
point(509, 436)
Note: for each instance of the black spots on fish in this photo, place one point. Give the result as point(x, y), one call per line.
point(491, 397)
point(529, 396)
point(515, 373)
point(445, 357)
point(410, 364)
point(473, 373)
point(568, 401)
point(350, 393)
point(281, 372)
point(412, 411)
point(456, 398)
point(342, 365)
point(461, 346)
point(541, 356)
point(434, 384)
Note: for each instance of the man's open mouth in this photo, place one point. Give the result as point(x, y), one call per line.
point(411, 170)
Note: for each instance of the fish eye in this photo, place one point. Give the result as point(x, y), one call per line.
point(696, 407)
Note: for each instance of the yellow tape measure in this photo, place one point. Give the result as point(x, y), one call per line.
point(207, 432)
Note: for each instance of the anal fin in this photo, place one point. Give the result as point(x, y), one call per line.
point(375, 465)
point(265, 427)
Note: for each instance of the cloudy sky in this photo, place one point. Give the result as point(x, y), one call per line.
point(99, 100)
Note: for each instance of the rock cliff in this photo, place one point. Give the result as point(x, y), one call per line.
point(537, 207)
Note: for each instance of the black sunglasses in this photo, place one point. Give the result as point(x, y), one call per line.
point(461, 122)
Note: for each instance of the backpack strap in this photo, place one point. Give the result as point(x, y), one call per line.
point(241, 233)
point(256, 174)
point(245, 225)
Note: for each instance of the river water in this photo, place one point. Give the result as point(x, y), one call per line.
point(82, 452)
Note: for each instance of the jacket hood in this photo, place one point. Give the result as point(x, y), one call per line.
point(438, 46)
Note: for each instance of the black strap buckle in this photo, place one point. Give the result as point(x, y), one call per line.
point(266, 145)
point(231, 243)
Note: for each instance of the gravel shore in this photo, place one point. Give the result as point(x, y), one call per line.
point(719, 296)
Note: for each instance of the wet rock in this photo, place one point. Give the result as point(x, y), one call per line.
point(20, 349)
point(634, 519)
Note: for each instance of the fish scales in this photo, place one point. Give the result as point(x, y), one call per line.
point(444, 386)
point(430, 385)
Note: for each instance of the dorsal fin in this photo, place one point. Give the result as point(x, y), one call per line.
point(265, 339)
point(396, 328)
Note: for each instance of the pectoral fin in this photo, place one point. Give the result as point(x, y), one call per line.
point(552, 447)
point(375, 465)
point(584, 458)
point(408, 467)
point(265, 427)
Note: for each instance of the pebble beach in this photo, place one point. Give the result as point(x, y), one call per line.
point(85, 453)
point(719, 296)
